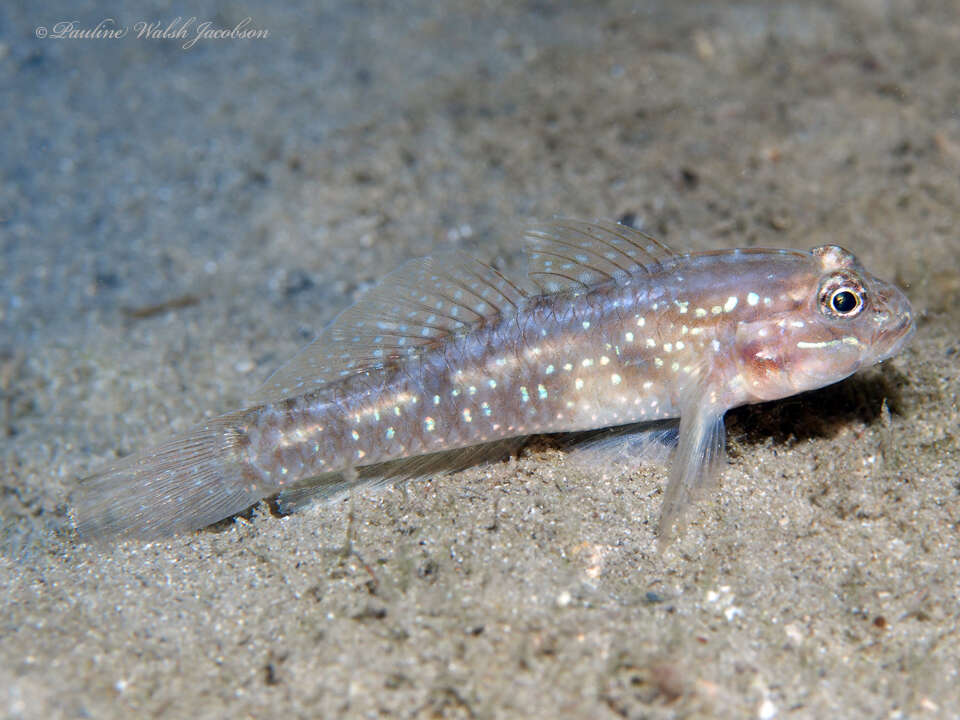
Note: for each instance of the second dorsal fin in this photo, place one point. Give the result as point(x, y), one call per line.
point(572, 254)
point(422, 302)
point(432, 298)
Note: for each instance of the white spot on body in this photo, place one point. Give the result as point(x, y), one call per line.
point(578, 383)
point(752, 299)
point(615, 379)
point(730, 304)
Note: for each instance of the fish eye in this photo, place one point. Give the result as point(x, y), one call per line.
point(845, 302)
point(842, 296)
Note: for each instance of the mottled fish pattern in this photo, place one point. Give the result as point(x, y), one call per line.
point(448, 362)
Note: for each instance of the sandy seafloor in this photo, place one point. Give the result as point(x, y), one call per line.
point(175, 223)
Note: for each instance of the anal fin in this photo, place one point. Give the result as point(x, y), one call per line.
point(333, 486)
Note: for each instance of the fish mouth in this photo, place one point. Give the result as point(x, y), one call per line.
point(891, 340)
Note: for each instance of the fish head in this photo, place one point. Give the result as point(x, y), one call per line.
point(834, 319)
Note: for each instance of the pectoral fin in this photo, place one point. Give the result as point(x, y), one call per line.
point(700, 455)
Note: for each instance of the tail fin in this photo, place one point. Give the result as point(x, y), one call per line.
point(186, 483)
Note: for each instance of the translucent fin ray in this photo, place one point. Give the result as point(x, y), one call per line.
point(187, 483)
point(429, 299)
point(333, 486)
point(571, 254)
point(420, 304)
point(621, 449)
point(700, 455)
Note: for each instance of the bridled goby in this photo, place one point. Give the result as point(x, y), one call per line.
point(449, 362)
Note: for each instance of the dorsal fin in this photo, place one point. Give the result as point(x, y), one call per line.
point(432, 298)
point(572, 254)
point(422, 302)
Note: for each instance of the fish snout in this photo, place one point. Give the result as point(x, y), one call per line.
point(895, 320)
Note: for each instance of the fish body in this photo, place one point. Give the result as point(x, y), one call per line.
point(448, 362)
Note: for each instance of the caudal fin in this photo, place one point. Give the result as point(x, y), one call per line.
point(186, 483)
